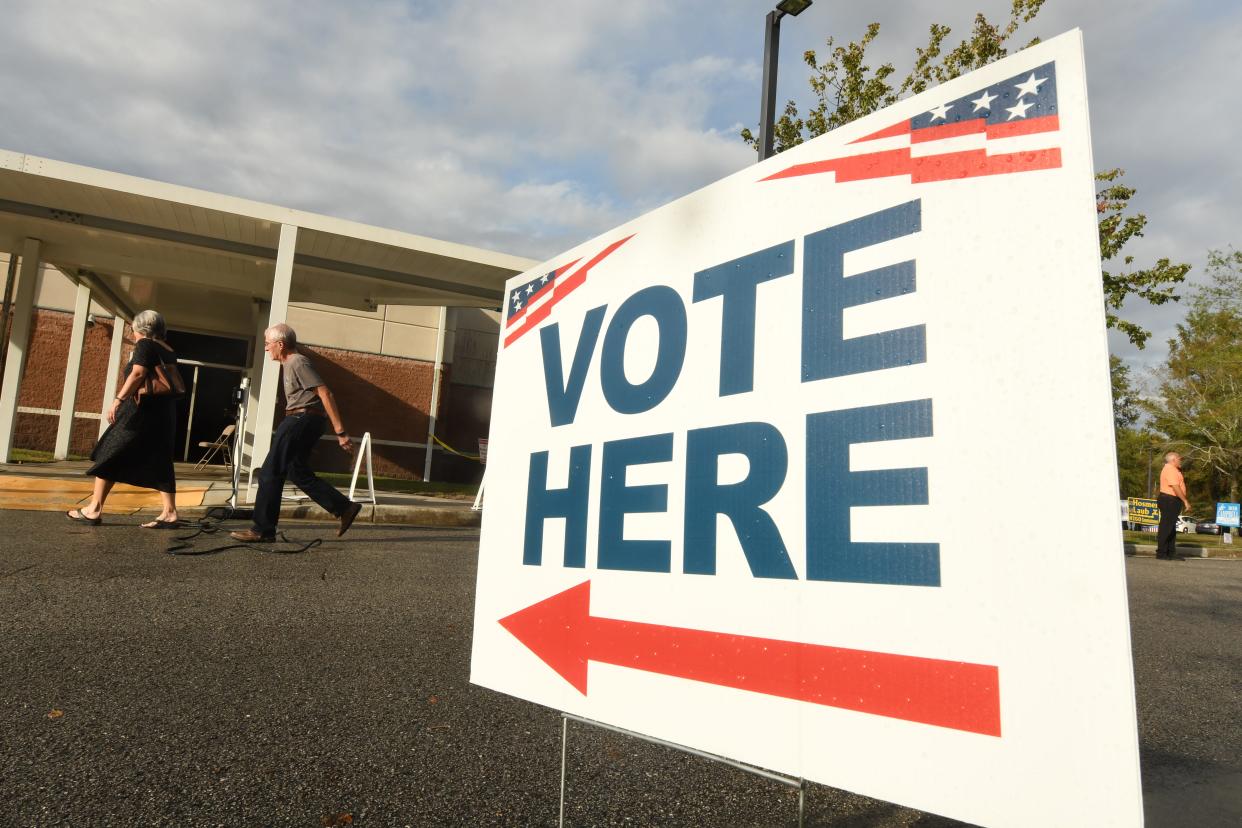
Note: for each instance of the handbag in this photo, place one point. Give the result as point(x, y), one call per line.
point(164, 381)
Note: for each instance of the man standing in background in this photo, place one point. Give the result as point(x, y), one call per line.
point(1170, 500)
point(309, 406)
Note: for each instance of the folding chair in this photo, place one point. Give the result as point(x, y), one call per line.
point(223, 443)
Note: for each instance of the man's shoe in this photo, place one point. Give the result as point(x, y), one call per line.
point(347, 517)
point(251, 536)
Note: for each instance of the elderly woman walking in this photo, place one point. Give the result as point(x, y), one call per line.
point(138, 448)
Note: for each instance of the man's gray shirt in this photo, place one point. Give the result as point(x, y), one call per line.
point(300, 380)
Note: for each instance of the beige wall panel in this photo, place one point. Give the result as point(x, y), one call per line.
point(477, 319)
point(478, 372)
point(223, 317)
point(335, 330)
point(410, 342)
point(375, 314)
point(428, 317)
point(476, 345)
point(474, 357)
point(55, 292)
point(450, 346)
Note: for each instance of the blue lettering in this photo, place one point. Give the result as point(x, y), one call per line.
point(831, 489)
point(737, 283)
point(826, 293)
point(764, 449)
point(563, 397)
point(663, 304)
point(569, 503)
point(618, 500)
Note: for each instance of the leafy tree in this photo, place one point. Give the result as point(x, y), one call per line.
point(1154, 284)
point(1139, 458)
point(1224, 290)
point(1137, 447)
point(1126, 400)
point(1199, 404)
point(846, 88)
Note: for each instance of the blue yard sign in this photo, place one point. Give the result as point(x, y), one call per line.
point(1227, 514)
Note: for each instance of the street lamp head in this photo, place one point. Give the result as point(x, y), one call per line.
point(793, 8)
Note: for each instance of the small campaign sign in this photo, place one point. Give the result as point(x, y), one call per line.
point(1143, 510)
point(1227, 514)
point(753, 458)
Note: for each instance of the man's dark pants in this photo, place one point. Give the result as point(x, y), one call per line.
point(292, 443)
point(1170, 508)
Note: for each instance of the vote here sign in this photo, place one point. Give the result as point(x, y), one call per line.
point(754, 454)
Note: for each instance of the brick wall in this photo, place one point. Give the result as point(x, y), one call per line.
point(388, 396)
point(44, 377)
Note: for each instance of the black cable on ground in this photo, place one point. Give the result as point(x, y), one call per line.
point(211, 524)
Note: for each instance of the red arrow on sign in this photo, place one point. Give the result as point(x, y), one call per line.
point(955, 694)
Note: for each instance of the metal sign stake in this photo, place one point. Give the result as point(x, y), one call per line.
point(792, 782)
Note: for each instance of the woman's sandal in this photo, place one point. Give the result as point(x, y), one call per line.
point(161, 524)
point(77, 517)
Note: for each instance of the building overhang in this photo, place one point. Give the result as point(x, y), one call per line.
point(191, 253)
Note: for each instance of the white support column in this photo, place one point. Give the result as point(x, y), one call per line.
point(18, 344)
point(435, 393)
point(255, 374)
point(73, 367)
point(264, 410)
point(114, 370)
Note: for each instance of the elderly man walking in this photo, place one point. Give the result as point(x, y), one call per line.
point(310, 406)
point(1172, 496)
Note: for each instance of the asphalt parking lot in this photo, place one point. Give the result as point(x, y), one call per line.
point(330, 688)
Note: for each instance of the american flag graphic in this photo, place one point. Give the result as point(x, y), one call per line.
point(531, 303)
point(976, 134)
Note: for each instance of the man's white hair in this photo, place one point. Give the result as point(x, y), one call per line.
point(280, 332)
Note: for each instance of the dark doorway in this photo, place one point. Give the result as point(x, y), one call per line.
point(212, 366)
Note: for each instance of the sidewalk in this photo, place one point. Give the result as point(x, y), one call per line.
point(62, 485)
point(1186, 550)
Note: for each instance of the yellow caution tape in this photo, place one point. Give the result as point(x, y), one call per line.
point(452, 450)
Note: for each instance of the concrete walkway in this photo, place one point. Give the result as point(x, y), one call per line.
point(63, 485)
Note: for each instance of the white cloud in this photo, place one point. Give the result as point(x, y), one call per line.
point(530, 126)
point(520, 126)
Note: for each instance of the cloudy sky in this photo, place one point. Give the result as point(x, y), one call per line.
point(529, 125)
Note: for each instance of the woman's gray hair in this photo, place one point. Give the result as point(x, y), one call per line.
point(150, 323)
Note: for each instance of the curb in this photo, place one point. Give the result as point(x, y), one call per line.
point(432, 516)
point(1148, 550)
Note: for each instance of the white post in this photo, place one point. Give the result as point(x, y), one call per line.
point(19, 341)
point(435, 393)
point(255, 375)
point(73, 367)
point(364, 450)
point(265, 408)
point(114, 369)
point(239, 440)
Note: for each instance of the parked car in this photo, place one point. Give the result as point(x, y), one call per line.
point(1207, 527)
point(1186, 524)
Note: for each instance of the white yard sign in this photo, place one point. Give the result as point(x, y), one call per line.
point(754, 458)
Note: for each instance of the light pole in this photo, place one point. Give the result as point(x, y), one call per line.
point(771, 47)
point(1151, 458)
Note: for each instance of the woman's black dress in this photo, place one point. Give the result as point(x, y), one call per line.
point(138, 448)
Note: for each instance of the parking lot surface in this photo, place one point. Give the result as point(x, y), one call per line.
point(331, 688)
